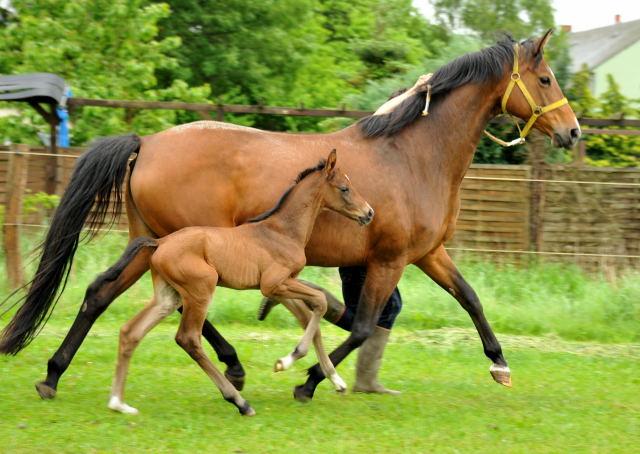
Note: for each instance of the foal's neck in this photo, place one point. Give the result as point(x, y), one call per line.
point(297, 215)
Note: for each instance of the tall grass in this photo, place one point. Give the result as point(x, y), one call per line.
point(543, 299)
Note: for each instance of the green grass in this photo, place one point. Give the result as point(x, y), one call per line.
point(571, 341)
point(540, 300)
point(567, 397)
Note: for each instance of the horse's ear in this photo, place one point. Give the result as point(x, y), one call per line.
point(539, 44)
point(331, 161)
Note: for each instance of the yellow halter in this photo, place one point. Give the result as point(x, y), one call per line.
point(536, 110)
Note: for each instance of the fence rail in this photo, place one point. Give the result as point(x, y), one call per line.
point(589, 216)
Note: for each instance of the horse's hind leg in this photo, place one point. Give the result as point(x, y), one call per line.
point(98, 297)
point(164, 302)
point(439, 267)
point(226, 354)
point(196, 300)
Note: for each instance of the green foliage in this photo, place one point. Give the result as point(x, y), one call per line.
point(487, 18)
point(103, 49)
point(605, 150)
point(287, 52)
point(40, 202)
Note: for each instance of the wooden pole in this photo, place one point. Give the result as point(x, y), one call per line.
point(16, 182)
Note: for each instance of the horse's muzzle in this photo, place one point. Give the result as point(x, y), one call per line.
point(367, 218)
point(567, 139)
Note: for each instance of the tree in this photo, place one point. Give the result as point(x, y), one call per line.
point(286, 52)
point(103, 49)
point(485, 18)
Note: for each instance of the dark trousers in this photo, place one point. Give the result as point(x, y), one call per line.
point(352, 283)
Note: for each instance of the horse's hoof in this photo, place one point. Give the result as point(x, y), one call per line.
point(45, 391)
point(283, 363)
point(247, 410)
point(301, 395)
point(116, 404)
point(501, 374)
point(236, 380)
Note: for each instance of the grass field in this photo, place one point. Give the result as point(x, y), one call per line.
point(572, 342)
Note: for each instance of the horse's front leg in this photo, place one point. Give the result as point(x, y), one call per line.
point(294, 289)
point(381, 279)
point(439, 267)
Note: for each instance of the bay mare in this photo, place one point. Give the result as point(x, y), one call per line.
point(408, 166)
point(267, 254)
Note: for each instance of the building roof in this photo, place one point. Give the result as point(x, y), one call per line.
point(598, 45)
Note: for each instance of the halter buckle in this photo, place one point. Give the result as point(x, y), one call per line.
point(537, 110)
point(515, 76)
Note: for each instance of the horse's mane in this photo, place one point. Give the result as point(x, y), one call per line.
point(301, 176)
point(477, 67)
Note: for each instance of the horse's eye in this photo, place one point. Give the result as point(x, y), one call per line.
point(345, 190)
point(545, 81)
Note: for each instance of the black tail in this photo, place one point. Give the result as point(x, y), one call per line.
point(98, 174)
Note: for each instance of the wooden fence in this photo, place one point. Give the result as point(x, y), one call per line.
point(589, 216)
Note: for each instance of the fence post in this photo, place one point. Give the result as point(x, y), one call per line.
point(16, 184)
point(536, 154)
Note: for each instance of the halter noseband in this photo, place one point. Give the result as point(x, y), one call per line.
point(536, 110)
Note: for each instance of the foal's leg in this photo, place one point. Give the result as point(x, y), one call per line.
point(196, 300)
point(98, 297)
point(164, 302)
point(379, 284)
point(439, 267)
point(292, 288)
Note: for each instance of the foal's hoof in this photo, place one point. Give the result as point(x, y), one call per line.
point(283, 364)
point(247, 410)
point(301, 395)
point(236, 380)
point(45, 391)
point(501, 374)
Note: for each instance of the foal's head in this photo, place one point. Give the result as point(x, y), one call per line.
point(339, 196)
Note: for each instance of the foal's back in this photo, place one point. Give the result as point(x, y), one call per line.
point(238, 255)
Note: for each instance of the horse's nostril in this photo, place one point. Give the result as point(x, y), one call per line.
point(370, 214)
point(575, 133)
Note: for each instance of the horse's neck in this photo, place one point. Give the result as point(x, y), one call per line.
point(298, 213)
point(452, 133)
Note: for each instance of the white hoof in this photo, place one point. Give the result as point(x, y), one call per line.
point(116, 404)
point(283, 363)
point(338, 383)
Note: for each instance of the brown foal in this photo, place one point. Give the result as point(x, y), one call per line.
point(266, 253)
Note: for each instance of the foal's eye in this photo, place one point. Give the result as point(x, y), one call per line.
point(345, 190)
point(545, 81)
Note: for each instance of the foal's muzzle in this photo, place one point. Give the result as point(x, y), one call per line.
point(367, 218)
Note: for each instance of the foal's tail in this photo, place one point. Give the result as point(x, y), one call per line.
point(115, 271)
point(97, 177)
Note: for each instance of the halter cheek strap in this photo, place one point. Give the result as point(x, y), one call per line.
point(536, 110)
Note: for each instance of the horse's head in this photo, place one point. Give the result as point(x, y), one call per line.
point(341, 197)
point(533, 94)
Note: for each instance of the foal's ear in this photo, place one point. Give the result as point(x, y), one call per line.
point(331, 162)
point(539, 44)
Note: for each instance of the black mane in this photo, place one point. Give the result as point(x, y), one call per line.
point(301, 176)
point(477, 67)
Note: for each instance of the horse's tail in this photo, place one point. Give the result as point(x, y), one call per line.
point(98, 175)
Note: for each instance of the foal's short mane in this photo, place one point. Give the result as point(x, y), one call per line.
point(477, 67)
point(301, 176)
